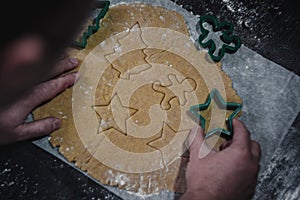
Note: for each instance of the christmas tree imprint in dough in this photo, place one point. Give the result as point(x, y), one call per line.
point(131, 41)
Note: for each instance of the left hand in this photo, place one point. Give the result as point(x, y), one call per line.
point(13, 115)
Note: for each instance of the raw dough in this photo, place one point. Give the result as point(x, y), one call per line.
point(143, 104)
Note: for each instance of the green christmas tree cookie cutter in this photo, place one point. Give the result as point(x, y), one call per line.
point(104, 5)
point(215, 95)
point(231, 42)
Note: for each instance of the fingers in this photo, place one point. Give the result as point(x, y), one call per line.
point(198, 147)
point(225, 144)
point(47, 91)
point(195, 140)
point(241, 136)
point(255, 150)
point(37, 128)
point(65, 65)
point(241, 139)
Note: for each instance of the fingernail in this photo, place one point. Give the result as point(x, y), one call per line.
point(74, 61)
point(56, 123)
point(72, 79)
point(77, 76)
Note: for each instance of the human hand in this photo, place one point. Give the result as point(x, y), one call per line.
point(229, 174)
point(12, 117)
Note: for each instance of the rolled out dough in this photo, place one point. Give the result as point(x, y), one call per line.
point(142, 105)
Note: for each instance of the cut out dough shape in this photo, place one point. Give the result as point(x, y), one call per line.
point(107, 120)
point(132, 41)
point(178, 88)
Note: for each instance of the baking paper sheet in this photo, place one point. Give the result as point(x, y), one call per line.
point(270, 93)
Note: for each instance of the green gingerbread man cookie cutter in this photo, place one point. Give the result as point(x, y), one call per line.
point(231, 42)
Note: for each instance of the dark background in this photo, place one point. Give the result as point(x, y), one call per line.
point(271, 28)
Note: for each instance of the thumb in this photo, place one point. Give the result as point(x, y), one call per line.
point(197, 145)
point(37, 128)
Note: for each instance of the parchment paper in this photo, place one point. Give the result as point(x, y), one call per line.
point(270, 93)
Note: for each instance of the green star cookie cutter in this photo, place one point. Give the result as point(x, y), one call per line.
point(215, 95)
point(95, 25)
point(227, 37)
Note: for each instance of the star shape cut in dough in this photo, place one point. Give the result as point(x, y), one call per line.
point(114, 115)
point(234, 107)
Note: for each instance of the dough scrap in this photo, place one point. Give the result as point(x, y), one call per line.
point(172, 176)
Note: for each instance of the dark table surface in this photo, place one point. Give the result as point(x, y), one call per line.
point(28, 172)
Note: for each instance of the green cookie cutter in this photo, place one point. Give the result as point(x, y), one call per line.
point(215, 95)
point(227, 37)
point(94, 27)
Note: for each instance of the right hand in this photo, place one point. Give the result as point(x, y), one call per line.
point(229, 174)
